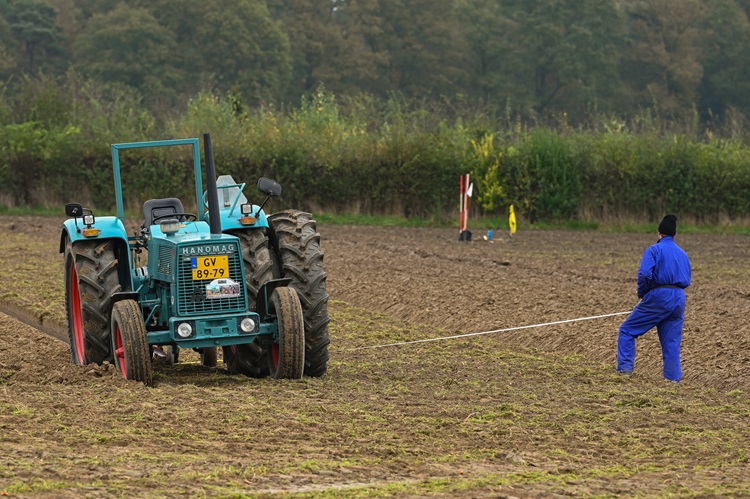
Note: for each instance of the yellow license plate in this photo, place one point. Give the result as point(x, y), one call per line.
point(210, 267)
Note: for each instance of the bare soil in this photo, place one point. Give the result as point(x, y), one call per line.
point(427, 276)
point(530, 412)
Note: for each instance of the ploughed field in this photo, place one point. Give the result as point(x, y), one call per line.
point(526, 412)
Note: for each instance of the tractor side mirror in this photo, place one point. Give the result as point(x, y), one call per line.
point(74, 210)
point(269, 187)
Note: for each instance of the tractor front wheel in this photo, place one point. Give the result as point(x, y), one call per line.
point(287, 356)
point(130, 342)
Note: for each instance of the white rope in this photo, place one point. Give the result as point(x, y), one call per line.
point(489, 332)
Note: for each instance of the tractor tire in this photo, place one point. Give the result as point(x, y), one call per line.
point(296, 244)
point(287, 357)
point(209, 356)
point(130, 342)
point(250, 359)
point(73, 309)
point(91, 279)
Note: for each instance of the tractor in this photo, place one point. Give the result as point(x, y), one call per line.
point(229, 277)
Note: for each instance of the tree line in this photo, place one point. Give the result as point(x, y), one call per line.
point(541, 58)
point(391, 157)
point(568, 109)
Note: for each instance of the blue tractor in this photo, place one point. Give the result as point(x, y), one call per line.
point(231, 277)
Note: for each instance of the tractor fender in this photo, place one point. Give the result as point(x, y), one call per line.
point(264, 296)
point(110, 227)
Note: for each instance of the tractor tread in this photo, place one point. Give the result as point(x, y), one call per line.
point(291, 362)
point(250, 359)
point(98, 280)
point(296, 243)
point(128, 316)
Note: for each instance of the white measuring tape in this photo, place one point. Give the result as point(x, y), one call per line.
point(488, 332)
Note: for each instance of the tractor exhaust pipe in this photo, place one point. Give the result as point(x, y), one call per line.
point(214, 220)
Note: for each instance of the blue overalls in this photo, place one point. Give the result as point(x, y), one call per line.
point(662, 278)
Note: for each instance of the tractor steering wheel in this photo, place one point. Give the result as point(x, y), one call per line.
point(189, 216)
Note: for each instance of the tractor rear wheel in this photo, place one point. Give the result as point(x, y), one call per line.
point(249, 359)
point(130, 342)
point(296, 242)
point(91, 279)
point(287, 357)
point(73, 309)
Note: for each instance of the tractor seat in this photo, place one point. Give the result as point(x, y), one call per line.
point(159, 207)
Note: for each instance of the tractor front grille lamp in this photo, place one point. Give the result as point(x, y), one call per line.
point(185, 330)
point(248, 325)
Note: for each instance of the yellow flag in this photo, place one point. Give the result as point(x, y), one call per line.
point(512, 220)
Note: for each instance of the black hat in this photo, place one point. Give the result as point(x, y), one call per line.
point(668, 225)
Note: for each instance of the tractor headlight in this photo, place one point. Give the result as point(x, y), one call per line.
point(88, 221)
point(185, 330)
point(248, 217)
point(247, 325)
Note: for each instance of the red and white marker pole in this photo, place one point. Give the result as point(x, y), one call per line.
point(469, 188)
point(466, 188)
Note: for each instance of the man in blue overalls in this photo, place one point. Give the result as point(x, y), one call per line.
point(662, 278)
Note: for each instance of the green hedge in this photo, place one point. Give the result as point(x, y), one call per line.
point(378, 158)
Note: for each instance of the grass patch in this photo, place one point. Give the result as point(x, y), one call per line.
point(477, 224)
point(500, 224)
point(378, 220)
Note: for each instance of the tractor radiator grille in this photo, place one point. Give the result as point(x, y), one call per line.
point(166, 255)
point(192, 295)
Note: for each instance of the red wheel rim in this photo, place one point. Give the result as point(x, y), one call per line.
point(275, 356)
point(120, 352)
point(77, 317)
